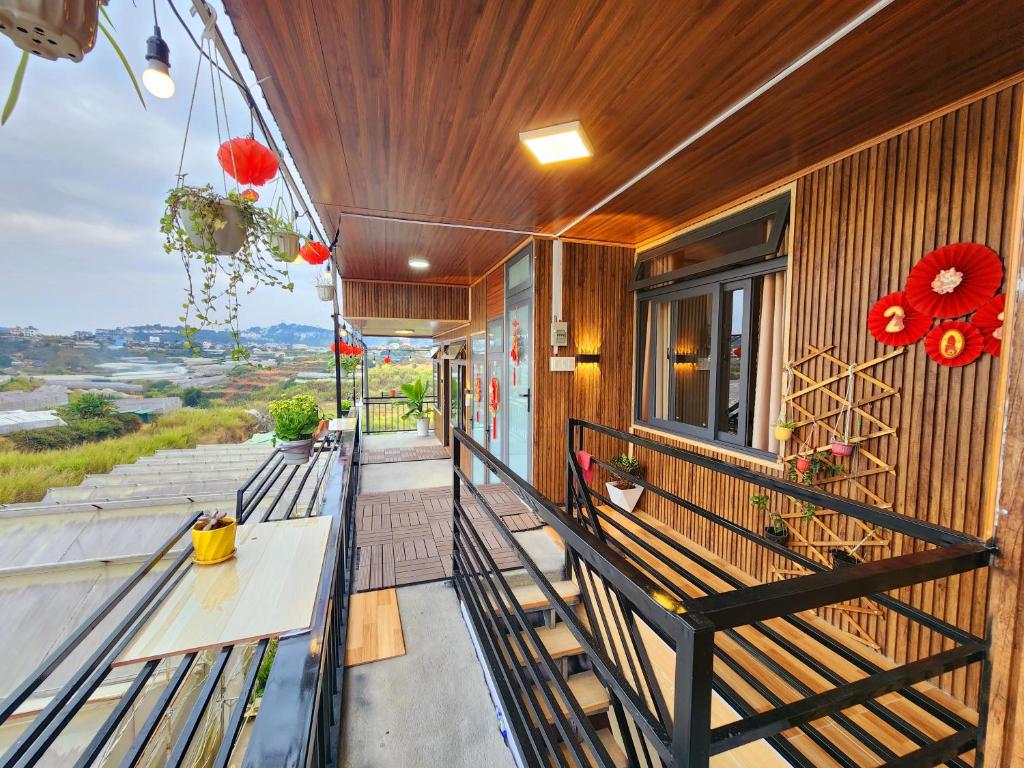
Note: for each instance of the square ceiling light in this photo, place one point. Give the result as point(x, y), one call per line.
point(557, 143)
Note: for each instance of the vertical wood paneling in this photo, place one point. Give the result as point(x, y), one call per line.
point(858, 226)
point(599, 310)
point(367, 298)
point(495, 287)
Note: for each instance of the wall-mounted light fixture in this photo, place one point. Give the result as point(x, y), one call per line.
point(686, 357)
point(588, 358)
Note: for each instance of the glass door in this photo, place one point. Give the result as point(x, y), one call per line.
point(518, 358)
point(478, 399)
point(494, 391)
point(517, 325)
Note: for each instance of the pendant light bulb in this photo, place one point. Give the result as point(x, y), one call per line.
point(157, 76)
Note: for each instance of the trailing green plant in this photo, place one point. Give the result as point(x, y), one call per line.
point(295, 418)
point(415, 394)
point(629, 465)
point(214, 281)
point(106, 26)
point(776, 523)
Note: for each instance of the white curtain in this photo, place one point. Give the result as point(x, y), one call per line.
point(768, 384)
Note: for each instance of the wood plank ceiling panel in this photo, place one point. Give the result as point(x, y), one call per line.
point(911, 59)
point(413, 110)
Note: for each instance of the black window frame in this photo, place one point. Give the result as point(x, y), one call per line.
point(714, 278)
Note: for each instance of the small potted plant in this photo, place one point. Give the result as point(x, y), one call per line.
point(415, 394)
point(284, 239)
point(295, 420)
point(776, 529)
point(842, 448)
point(325, 287)
point(346, 406)
point(803, 464)
point(624, 492)
point(842, 559)
point(784, 430)
point(213, 538)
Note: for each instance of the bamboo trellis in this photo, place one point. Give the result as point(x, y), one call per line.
point(814, 405)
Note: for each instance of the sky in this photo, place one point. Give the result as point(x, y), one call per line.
point(84, 171)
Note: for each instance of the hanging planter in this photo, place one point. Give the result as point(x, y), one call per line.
point(776, 530)
point(842, 559)
point(841, 449)
point(324, 290)
point(784, 430)
point(284, 239)
point(224, 243)
point(841, 446)
point(803, 464)
point(56, 29)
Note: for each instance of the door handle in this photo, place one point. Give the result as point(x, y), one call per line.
point(527, 396)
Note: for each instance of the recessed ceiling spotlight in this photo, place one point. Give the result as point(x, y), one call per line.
point(557, 143)
point(419, 263)
point(405, 331)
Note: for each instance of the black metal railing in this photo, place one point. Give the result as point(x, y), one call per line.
point(716, 603)
point(387, 414)
point(302, 696)
point(639, 587)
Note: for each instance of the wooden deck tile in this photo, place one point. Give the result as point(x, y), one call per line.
point(374, 628)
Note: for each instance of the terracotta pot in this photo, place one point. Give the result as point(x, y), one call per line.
point(394, 393)
point(782, 434)
point(839, 448)
point(54, 29)
point(626, 498)
point(214, 546)
point(778, 538)
point(803, 464)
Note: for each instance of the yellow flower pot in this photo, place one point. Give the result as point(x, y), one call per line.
point(214, 546)
point(782, 434)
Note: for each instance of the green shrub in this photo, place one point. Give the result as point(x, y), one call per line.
point(87, 405)
point(76, 432)
point(20, 383)
point(295, 418)
point(193, 397)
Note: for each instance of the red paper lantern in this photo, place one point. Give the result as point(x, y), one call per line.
point(387, 359)
point(953, 343)
point(894, 322)
point(247, 161)
point(989, 320)
point(251, 195)
point(314, 253)
point(954, 280)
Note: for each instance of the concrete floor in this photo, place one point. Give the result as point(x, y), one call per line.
point(430, 707)
point(408, 475)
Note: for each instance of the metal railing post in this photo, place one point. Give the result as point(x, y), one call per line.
point(456, 502)
point(691, 727)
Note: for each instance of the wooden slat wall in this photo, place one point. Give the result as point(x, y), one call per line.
point(599, 311)
point(494, 285)
point(368, 298)
point(477, 307)
point(859, 225)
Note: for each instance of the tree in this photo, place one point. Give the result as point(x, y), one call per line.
point(88, 405)
point(193, 397)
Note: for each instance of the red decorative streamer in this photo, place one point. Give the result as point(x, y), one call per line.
point(954, 280)
point(894, 322)
point(953, 343)
point(495, 403)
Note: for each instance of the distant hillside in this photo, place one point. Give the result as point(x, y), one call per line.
point(282, 333)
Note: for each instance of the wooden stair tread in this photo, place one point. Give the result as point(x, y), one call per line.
point(903, 707)
point(558, 640)
point(611, 746)
point(531, 598)
point(586, 689)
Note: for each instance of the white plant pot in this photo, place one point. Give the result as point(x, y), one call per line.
point(296, 452)
point(287, 243)
point(54, 29)
point(325, 292)
point(226, 241)
point(422, 425)
point(627, 498)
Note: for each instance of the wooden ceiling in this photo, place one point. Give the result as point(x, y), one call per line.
point(412, 110)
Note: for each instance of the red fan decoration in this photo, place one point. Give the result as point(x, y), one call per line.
point(894, 322)
point(314, 252)
point(989, 320)
point(247, 161)
point(954, 280)
point(953, 343)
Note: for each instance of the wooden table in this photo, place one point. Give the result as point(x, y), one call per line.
point(267, 589)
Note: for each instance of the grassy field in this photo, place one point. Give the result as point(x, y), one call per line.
point(27, 476)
